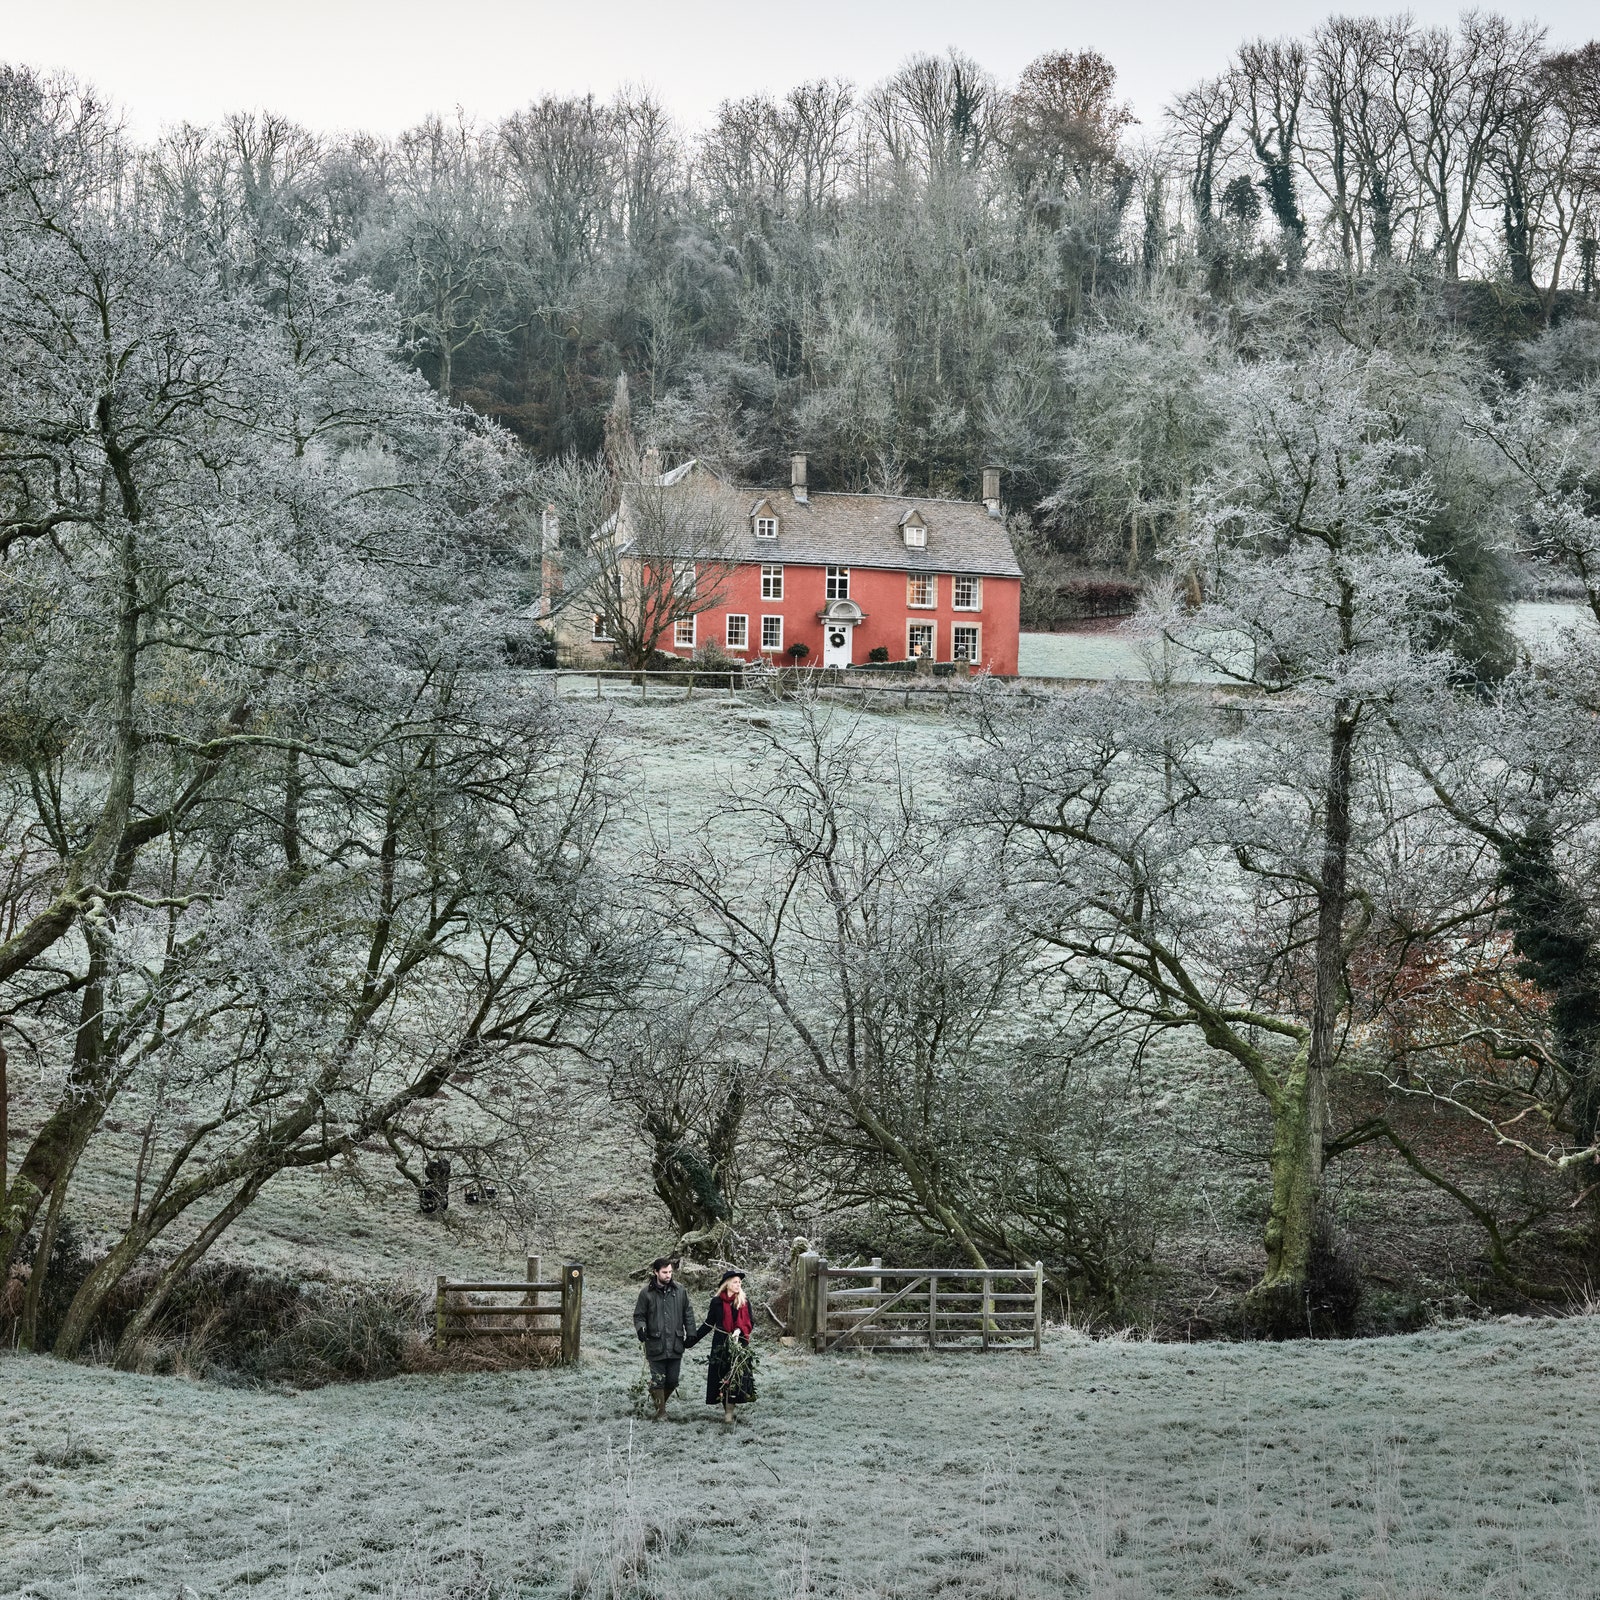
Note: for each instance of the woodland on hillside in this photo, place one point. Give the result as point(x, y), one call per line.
point(885, 276)
point(909, 278)
point(302, 870)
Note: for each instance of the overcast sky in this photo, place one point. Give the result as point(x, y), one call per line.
point(383, 64)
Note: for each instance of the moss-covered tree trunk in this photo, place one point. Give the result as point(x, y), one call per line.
point(1278, 1301)
point(1299, 1103)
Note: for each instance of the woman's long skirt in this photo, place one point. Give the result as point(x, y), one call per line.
point(729, 1381)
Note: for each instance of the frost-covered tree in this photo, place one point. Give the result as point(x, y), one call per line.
point(245, 630)
point(920, 1081)
point(648, 549)
point(1509, 1036)
point(1200, 880)
point(1550, 439)
point(1140, 420)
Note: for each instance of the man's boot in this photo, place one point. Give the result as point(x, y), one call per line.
point(660, 1398)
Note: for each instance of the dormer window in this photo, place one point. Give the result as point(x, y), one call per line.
point(915, 531)
point(766, 527)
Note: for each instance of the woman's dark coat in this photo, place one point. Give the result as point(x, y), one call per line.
point(728, 1323)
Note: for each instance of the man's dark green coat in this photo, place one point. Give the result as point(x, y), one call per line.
point(662, 1318)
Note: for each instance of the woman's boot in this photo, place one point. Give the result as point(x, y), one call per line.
point(727, 1412)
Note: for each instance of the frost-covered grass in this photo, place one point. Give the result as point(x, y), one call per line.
point(1093, 653)
point(1447, 1464)
point(1099, 652)
point(1450, 1463)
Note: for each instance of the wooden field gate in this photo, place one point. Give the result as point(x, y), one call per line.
point(460, 1310)
point(916, 1308)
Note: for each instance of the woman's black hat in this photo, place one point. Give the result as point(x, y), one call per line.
point(732, 1272)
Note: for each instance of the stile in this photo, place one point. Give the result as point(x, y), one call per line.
point(528, 1317)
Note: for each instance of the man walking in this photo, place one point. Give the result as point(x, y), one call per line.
point(666, 1327)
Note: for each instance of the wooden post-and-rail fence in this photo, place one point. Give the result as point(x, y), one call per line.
point(916, 1308)
point(461, 1312)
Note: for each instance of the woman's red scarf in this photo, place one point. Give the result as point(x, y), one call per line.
point(731, 1318)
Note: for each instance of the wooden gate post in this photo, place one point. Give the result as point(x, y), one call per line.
point(1038, 1305)
point(571, 1312)
point(820, 1333)
point(988, 1307)
point(877, 1293)
point(803, 1297)
point(439, 1334)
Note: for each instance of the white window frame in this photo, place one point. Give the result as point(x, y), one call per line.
point(766, 527)
point(743, 641)
point(771, 582)
point(776, 627)
point(597, 632)
point(976, 630)
point(932, 631)
point(957, 603)
point(916, 535)
point(836, 582)
point(933, 591)
point(678, 627)
point(685, 579)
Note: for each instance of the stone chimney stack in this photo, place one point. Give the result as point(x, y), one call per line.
point(549, 562)
point(991, 490)
point(650, 466)
point(797, 478)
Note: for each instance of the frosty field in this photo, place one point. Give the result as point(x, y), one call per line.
point(1449, 1464)
point(1108, 651)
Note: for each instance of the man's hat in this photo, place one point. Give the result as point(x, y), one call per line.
point(732, 1272)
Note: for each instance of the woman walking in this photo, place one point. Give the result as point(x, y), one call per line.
point(730, 1376)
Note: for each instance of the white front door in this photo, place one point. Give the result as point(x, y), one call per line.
point(836, 643)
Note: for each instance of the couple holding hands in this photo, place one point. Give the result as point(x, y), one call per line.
point(666, 1328)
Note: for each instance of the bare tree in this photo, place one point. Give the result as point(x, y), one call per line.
point(653, 549)
point(1544, 166)
point(1271, 96)
point(1202, 117)
point(1453, 93)
point(443, 251)
point(686, 1065)
point(897, 1002)
point(937, 117)
point(1198, 882)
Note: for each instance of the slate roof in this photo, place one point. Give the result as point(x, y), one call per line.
point(861, 530)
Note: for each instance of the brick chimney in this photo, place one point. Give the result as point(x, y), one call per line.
point(991, 490)
point(797, 478)
point(549, 562)
point(650, 468)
